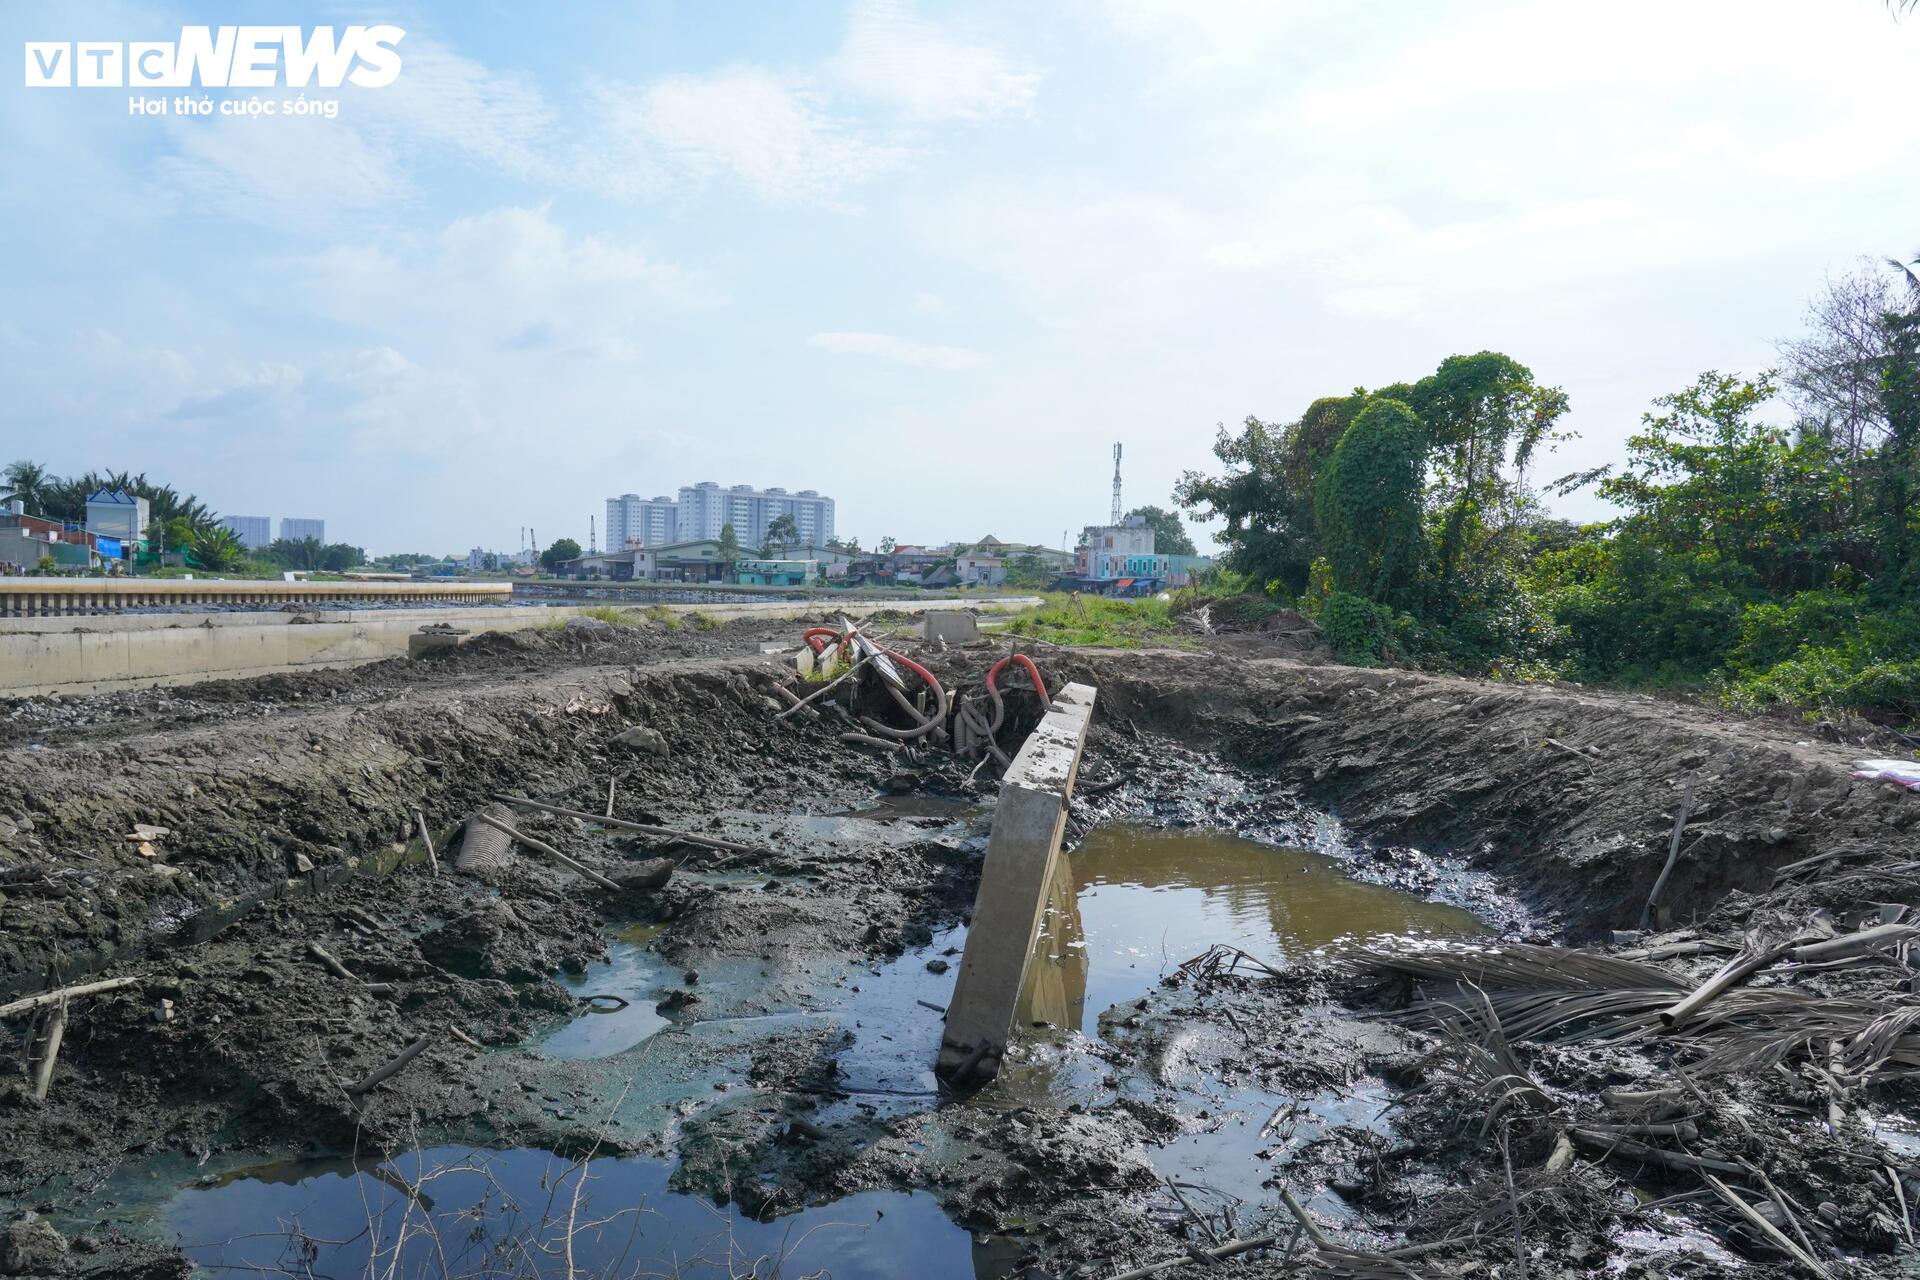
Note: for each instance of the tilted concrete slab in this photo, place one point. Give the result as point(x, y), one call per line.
point(949, 626)
point(1021, 856)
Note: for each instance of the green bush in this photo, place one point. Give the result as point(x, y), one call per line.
point(1358, 629)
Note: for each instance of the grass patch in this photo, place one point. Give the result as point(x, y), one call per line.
point(609, 614)
point(1098, 621)
point(664, 616)
point(704, 621)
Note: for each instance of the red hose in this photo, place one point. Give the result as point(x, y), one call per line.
point(1033, 674)
point(809, 634)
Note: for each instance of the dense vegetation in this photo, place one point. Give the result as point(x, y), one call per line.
point(178, 523)
point(1767, 550)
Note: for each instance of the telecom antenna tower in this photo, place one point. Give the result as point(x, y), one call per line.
point(1116, 483)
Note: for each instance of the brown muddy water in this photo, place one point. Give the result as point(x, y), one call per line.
point(1130, 904)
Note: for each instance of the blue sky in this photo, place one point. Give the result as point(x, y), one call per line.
point(931, 259)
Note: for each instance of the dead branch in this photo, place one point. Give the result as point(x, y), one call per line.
point(541, 847)
point(50, 1037)
point(426, 838)
point(26, 1004)
point(1673, 856)
point(393, 1068)
point(645, 829)
point(333, 966)
point(1764, 1227)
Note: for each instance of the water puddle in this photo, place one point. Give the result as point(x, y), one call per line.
point(451, 1212)
point(634, 975)
point(1145, 899)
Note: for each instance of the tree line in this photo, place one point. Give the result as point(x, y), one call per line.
point(1767, 547)
point(177, 522)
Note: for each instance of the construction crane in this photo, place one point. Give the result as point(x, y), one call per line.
point(1116, 483)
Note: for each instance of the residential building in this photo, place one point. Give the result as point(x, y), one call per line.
point(115, 513)
point(705, 508)
point(294, 529)
point(776, 573)
point(979, 570)
point(26, 540)
point(634, 521)
point(1107, 550)
point(253, 531)
point(1182, 570)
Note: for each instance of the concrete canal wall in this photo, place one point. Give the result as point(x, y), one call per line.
point(128, 650)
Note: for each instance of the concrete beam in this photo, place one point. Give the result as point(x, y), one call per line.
point(1022, 854)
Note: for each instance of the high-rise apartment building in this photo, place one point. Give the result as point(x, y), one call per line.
point(703, 510)
point(253, 531)
point(634, 521)
point(294, 529)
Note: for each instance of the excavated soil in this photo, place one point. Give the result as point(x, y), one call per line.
point(289, 806)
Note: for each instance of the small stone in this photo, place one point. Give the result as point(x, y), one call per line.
point(642, 738)
point(163, 1012)
point(937, 966)
point(29, 1247)
point(300, 863)
point(648, 873)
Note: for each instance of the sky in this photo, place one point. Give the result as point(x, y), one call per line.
point(930, 259)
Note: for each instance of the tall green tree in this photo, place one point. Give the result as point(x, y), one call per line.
point(31, 483)
point(782, 532)
point(1270, 535)
point(1368, 503)
point(730, 553)
point(562, 550)
point(1483, 414)
point(1169, 534)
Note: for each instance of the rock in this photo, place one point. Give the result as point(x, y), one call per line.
point(29, 1247)
point(300, 863)
point(937, 966)
point(588, 627)
point(648, 873)
point(642, 738)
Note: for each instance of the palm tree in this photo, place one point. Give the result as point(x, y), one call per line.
point(30, 483)
point(216, 548)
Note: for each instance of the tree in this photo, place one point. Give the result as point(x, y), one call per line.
point(887, 544)
point(563, 549)
point(1835, 372)
point(1368, 503)
point(1267, 505)
point(782, 532)
point(1475, 409)
point(30, 483)
point(216, 548)
point(297, 553)
point(1169, 534)
point(1028, 571)
point(730, 553)
point(336, 557)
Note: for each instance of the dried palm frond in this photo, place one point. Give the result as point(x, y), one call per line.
point(1534, 991)
point(1475, 1053)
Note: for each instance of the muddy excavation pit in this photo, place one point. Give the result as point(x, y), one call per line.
point(1344, 973)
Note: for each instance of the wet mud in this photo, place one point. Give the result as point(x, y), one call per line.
point(733, 1069)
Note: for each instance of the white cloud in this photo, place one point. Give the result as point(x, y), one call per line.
point(772, 135)
point(929, 71)
point(883, 346)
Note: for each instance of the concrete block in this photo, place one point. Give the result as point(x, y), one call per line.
point(950, 626)
point(1021, 867)
point(422, 643)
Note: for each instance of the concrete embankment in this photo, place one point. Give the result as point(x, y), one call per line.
point(120, 651)
point(58, 597)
